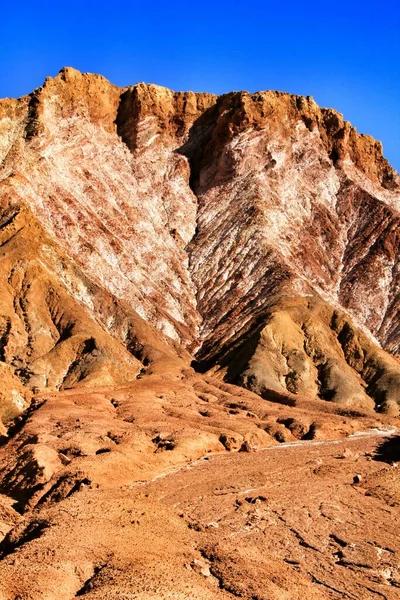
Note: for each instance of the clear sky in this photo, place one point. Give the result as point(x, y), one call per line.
point(345, 54)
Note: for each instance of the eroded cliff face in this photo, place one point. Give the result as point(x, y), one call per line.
point(302, 211)
point(294, 204)
point(135, 211)
point(205, 218)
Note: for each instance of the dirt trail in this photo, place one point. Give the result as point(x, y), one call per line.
point(371, 433)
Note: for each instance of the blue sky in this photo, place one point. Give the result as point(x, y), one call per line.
point(345, 54)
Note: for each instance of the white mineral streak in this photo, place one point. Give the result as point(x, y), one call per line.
point(114, 213)
point(242, 247)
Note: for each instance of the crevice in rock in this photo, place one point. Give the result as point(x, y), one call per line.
point(137, 349)
point(76, 369)
point(9, 215)
point(19, 422)
point(32, 126)
point(5, 329)
point(341, 593)
point(63, 488)
point(200, 135)
point(127, 117)
point(233, 356)
point(324, 391)
point(14, 235)
point(12, 542)
point(88, 584)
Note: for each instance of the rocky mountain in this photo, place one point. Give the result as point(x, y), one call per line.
point(184, 274)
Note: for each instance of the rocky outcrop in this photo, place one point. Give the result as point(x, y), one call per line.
point(307, 348)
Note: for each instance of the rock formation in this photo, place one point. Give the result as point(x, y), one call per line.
point(181, 275)
point(204, 215)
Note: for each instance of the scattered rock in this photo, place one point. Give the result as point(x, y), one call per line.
point(64, 458)
point(201, 567)
point(256, 499)
point(231, 442)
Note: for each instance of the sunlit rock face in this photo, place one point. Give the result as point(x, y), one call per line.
point(291, 198)
point(122, 211)
point(294, 204)
point(242, 228)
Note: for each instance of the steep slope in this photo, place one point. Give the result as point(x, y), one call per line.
point(285, 189)
point(293, 204)
point(124, 218)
